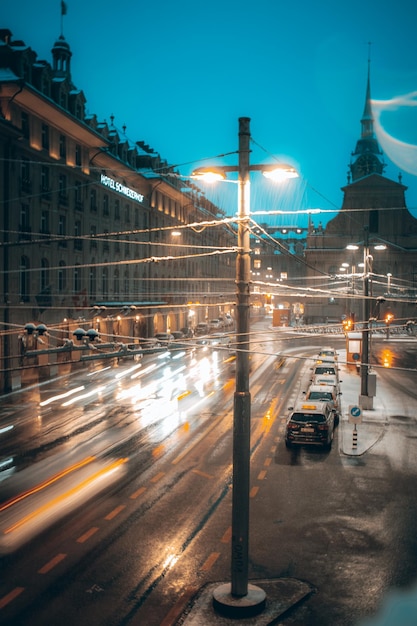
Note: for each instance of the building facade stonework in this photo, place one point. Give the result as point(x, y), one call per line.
point(96, 230)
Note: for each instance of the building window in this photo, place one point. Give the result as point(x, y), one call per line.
point(78, 155)
point(79, 196)
point(105, 282)
point(45, 136)
point(77, 280)
point(106, 211)
point(62, 189)
point(78, 243)
point(25, 124)
point(116, 283)
point(62, 231)
point(93, 282)
point(25, 174)
point(116, 210)
point(44, 278)
point(93, 235)
point(44, 178)
point(44, 225)
point(62, 146)
point(126, 283)
point(257, 264)
point(24, 279)
point(93, 200)
point(24, 223)
point(127, 213)
point(106, 246)
point(62, 277)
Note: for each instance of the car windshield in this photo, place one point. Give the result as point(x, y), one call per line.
point(325, 370)
point(308, 417)
point(318, 395)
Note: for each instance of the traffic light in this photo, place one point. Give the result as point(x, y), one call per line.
point(349, 323)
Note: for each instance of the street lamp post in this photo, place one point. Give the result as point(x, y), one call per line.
point(366, 394)
point(242, 399)
point(239, 598)
point(364, 397)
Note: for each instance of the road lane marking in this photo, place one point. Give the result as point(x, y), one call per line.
point(157, 477)
point(253, 492)
point(197, 441)
point(115, 512)
point(183, 395)
point(227, 535)
point(210, 561)
point(87, 535)
point(203, 474)
point(178, 608)
point(137, 493)
point(5, 600)
point(51, 564)
point(268, 461)
point(262, 475)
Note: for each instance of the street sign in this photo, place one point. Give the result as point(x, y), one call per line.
point(355, 414)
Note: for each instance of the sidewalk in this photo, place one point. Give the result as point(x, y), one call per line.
point(374, 421)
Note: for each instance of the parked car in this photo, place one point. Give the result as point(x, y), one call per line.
point(228, 320)
point(187, 332)
point(177, 334)
point(164, 338)
point(325, 379)
point(202, 328)
point(326, 369)
point(215, 324)
point(325, 393)
point(310, 423)
point(327, 352)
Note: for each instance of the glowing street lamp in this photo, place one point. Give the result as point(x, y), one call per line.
point(238, 597)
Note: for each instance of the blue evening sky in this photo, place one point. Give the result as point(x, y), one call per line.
point(180, 74)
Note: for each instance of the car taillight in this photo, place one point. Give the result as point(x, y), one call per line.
point(322, 426)
point(292, 426)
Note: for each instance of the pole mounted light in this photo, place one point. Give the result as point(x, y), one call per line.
point(365, 400)
point(238, 598)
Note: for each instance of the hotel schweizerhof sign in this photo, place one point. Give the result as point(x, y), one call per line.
point(120, 188)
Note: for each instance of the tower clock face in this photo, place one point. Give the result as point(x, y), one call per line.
point(366, 165)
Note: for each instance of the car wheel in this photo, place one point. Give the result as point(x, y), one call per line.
point(287, 444)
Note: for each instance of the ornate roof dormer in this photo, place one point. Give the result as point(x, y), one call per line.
point(367, 157)
point(61, 55)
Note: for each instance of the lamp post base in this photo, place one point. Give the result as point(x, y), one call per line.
point(240, 607)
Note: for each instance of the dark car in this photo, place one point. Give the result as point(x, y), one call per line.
point(201, 329)
point(164, 338)
point(311, 423)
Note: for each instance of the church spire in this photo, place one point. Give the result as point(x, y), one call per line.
point(367, 120)
point(367, 157)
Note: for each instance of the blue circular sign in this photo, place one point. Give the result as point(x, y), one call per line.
point(355, 411)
